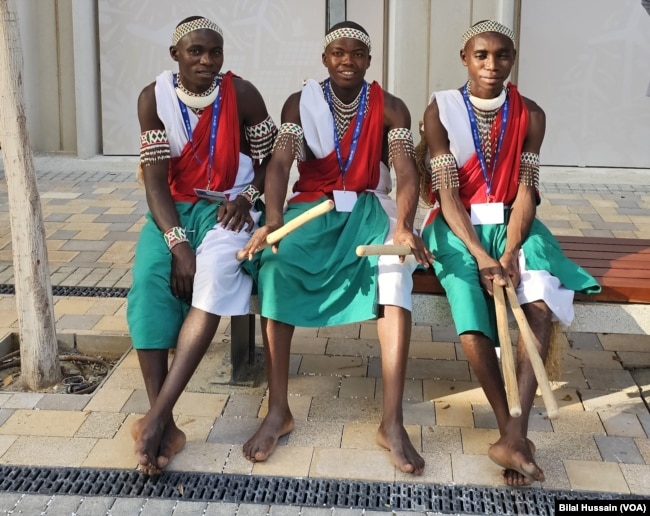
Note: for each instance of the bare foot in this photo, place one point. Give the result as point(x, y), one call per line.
point(147, 436)
point(403, 454)
point(516, 457)
point(261, 445)
point(172, 441)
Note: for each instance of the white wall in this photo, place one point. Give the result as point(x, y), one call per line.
point(275, 44)
point(37, 27)
point(587, 63)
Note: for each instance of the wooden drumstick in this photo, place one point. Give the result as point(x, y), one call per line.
point(374, 250)
point(531, 343)
point(310, 214)
point(507, 357)
point(292, 225)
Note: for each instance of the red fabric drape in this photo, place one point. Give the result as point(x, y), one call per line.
point(506, 176)
point(320, 177)
point(189, 170)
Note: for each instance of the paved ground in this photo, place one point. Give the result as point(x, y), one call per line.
point(93, 211)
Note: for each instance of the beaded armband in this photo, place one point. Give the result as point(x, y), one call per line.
point(444, 172)
point(174, 236)
point(261, 137)
point(529, 169)
point(250, 193)
point(154, 147)
point(292, 137)
point(400, 143)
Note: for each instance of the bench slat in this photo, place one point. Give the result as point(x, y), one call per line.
point(607, 264)
point(620, 265)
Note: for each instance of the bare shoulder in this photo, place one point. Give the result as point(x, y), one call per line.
point(148, 94)
point(396, 113)
point(536, 126)
point(147, 108)
point(533, 108)
point(291, 109)
point(393, 103)
point(245, 88)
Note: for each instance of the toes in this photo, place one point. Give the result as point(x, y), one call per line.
point(148, 469)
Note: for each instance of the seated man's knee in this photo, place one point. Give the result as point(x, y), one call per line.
point(474, 338)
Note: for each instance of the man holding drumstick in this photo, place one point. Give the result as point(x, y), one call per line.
point(205, 140)
point(484, 141)
point(345, 134)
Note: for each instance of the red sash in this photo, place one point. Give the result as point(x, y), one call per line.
point(505, 182)
point(319, 177)
point(189, 170)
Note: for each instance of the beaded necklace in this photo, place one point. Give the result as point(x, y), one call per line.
point(486, 111)
point(484, 143)
point(197, 101)
point(344, 113)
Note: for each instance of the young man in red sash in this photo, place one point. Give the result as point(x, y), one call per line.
point(484, 141)
point(345, 134)
point(205, 141)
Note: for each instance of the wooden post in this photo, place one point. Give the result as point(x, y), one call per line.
point(38, 344)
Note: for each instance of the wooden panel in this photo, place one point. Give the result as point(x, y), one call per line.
point(620, 265)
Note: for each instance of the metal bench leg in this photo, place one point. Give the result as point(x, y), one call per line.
point(242, 344)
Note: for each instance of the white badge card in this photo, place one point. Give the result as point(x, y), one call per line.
point(210, 195)
point(487, 213)
point(344, 200)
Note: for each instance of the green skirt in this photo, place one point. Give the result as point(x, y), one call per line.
point(153, 314)
point(471, 308)
point(316, 278)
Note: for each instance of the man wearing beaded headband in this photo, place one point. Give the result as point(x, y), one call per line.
point(484, 141)
point(345, 134)
point(206, 137)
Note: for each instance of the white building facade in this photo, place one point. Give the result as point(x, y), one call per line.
point(586, 62)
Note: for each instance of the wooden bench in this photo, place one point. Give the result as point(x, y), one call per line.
point(620, 265)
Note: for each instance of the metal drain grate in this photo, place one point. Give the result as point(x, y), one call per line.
point(210, 487)
point(60, 290)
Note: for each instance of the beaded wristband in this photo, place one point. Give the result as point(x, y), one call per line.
point(174, 236)
point(250, 193)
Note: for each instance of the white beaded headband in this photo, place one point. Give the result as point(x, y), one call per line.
point(488, 26)
point(347, 32)
point(190, 26)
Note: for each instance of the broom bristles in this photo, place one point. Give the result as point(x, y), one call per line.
point(556, 351)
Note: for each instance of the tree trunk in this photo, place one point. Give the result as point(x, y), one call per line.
point(38, 344)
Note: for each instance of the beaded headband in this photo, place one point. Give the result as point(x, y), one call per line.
point(488, 26)
point(190, 26)
point(347, 32)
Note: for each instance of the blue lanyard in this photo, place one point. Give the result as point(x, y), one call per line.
point(216, 107)
point(477, 138)
point(357, 128)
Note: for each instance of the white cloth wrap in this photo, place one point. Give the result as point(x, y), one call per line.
point(534, 285)
point(395, 279)
point(220, 286)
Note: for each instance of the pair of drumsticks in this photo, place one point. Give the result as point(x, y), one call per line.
point(507, 357)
